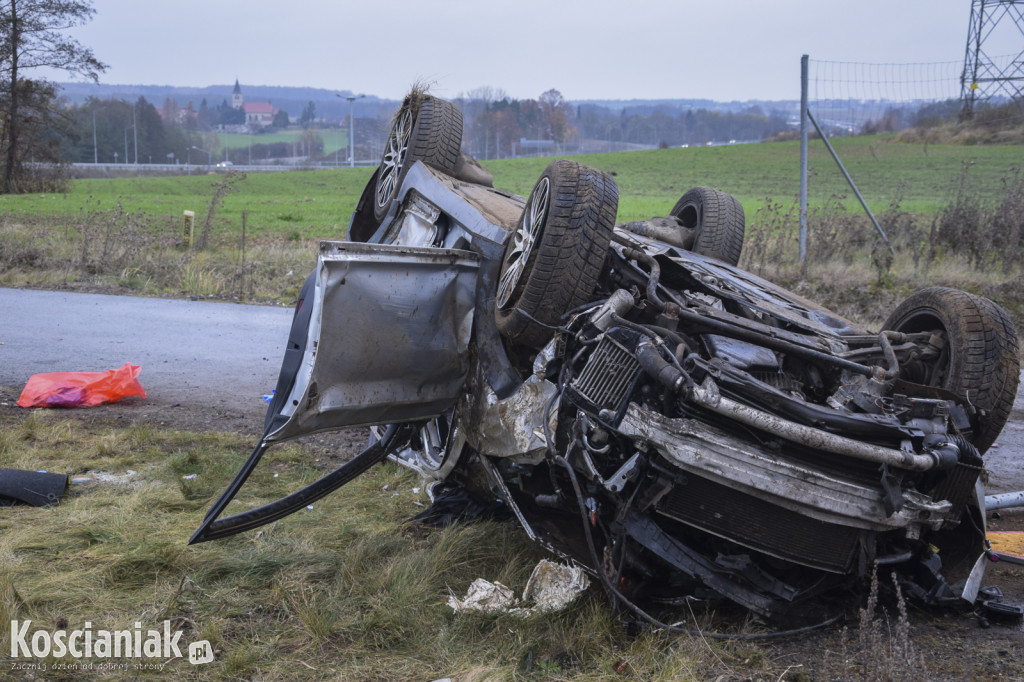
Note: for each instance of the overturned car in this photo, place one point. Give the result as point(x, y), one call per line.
point(681, 428)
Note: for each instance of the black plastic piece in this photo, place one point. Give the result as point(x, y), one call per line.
point(214, 528)
point(892, 492)
point(649, 535)
point(36, 488)
point(293, 353)
point(997, 610)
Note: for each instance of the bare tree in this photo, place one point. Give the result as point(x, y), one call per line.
point(32, 36)
point(557, 114)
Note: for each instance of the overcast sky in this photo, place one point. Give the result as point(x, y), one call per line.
point(587, 49)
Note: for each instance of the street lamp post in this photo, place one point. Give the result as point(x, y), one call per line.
point(135, 136)
point(209, 155)
point(352, 129)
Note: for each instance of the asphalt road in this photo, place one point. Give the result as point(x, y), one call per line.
point(192, 353)
point(223, 356)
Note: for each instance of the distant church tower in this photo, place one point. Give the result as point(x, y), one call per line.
point(236, 96)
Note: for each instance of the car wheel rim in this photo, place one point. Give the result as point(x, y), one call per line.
point(523, 241)
point(393, 159)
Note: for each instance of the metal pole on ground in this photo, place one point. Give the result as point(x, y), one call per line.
point(1004, 501)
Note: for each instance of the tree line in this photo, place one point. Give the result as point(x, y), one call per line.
point(497, 126)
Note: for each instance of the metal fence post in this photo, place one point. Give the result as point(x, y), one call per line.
point(803, 158)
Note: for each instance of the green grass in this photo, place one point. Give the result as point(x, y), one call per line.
point(315, 204)
point(309, 204)
point(650, 182)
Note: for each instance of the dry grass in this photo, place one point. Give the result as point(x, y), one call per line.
point(974, 244)
point(339, 592)
point(120, 252)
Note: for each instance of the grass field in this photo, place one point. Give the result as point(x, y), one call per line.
point(650, 182)
point(283, 204)
point(314, 204)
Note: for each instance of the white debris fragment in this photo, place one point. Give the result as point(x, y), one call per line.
point(127, 478)
point(483, 596)
point(551, 587)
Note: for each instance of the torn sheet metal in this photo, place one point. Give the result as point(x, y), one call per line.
point(388, 338)
point(513, 427)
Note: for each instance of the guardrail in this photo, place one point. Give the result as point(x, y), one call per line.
point(189, 168)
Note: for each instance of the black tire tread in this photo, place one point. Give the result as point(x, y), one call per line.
point(435, 139)
point(563, 270)
point(722, 223)
point(986, 366)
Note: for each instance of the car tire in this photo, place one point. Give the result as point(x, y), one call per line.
point(717, 220)
point(424, 129)
point(979, 361)
point(552, 261)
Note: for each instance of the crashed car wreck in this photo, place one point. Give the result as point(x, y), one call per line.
point(679, 427)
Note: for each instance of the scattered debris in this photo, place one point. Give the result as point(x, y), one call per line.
point(1007, 546)
point(485, 597)
point(551, 587)
point(127, 478)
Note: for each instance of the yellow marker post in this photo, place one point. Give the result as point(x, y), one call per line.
point(188, 228)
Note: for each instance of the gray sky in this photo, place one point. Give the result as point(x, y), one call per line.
point(587, 49)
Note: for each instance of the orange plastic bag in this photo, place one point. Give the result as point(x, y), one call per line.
point(81, 389)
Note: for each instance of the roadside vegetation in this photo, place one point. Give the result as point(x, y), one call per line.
point(952, 213)
point(341, 591)
point(346, 589)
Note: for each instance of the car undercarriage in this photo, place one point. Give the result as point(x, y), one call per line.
point(681, 428)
